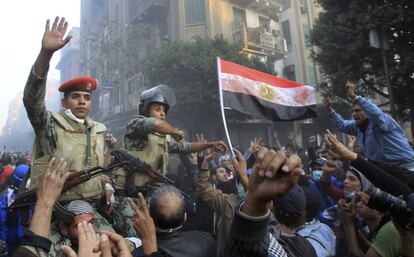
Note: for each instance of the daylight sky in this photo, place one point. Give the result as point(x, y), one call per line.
point(22, 26)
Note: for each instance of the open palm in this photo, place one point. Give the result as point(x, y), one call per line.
point(53, 38)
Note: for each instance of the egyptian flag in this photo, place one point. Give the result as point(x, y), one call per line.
point(262, 95)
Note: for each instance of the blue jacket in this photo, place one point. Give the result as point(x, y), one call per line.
point(385, 140)
point(10, 233)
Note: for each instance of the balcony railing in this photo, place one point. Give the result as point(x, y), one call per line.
point(271, 8)
point(142, 9)
point(258, 41)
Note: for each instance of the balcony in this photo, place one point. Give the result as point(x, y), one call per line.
point(271, 8)
point(147, 10)
point(260, 42)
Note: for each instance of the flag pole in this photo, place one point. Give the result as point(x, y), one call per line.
point(222, 106)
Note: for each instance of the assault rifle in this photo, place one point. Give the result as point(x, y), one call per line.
point(28, 198)
point(134, 164)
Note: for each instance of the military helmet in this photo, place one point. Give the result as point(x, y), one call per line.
point(162, 94)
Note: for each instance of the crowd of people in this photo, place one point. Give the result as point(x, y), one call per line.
point(83, 193)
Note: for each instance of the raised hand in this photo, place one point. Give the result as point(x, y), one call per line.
point(350, 89)
point(255, 145)
point(347, 211)
point(202, 140)
point(110, 141)
point(240, 167)
point(328, 103)
point(144, 225)
point(88, 241)
point(339, 150)
point(273, 175)
point(211, 156)
point(218, 146)
point(53, 38)
point(52, 181)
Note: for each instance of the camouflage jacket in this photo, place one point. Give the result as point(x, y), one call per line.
point(58, 135)
point(136, 138)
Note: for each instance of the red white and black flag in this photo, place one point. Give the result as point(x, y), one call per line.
point(263, 95)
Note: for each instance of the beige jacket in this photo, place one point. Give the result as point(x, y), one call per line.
point(223, 204)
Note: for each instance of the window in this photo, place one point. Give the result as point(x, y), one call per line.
point(194, 12)
point(311, 74)
point(239, 16)
point(286, 4)
point(289, 72)
point(239, 19)
point(286, 32)
point(264, 22)
point(306, 34)
point(303, 6)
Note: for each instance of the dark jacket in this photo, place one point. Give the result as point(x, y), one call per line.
point(187, 244)
point(249, 236)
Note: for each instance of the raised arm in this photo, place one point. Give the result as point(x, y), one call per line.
point(272, 176)
point(35, 89)
point(374, 113)
point(346, 126)
point(36, 241)
point(140, 126)
point(208, 194)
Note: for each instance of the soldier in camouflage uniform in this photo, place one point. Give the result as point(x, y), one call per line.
point(150, 138)
point(69, 134)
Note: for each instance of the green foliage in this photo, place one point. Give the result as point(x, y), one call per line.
point(190, 69)
point(342, 35)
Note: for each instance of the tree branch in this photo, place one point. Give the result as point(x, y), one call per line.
point(376, 90)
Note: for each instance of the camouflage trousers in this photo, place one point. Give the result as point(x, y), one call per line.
point(58, 239)
point(123, 217)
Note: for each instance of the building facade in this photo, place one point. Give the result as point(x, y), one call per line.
point(116, 35)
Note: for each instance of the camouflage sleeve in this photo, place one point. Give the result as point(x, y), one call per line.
point(40, 118)
point(140, 126)
point(34, 101)
point(178, 147)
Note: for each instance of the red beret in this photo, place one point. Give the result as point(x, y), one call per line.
point(80, 84)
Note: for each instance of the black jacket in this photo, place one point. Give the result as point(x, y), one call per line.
point(187, 244)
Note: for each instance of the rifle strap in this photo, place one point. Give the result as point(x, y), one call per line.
point(88, 149)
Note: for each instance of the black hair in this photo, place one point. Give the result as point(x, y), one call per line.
point(214, 171)
point(313, 204)
point(167, 219)
point(288, 219)
point(7, 159)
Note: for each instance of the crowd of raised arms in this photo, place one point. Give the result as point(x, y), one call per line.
point(83, 192)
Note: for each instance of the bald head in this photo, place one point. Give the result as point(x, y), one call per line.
point(167, 207)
